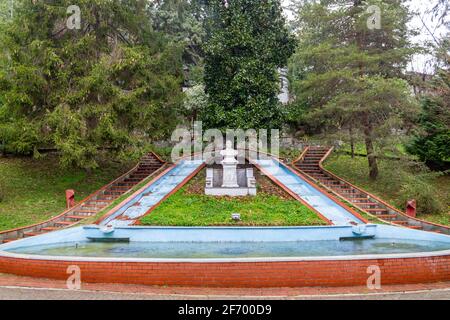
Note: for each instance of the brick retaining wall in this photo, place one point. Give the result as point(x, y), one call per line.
point(240, 274)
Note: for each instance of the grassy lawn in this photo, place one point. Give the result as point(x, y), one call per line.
point(399, 181)
point(189, 207)
point(34, 190)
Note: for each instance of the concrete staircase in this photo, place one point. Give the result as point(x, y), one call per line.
point(149, 165)
point(310, 165)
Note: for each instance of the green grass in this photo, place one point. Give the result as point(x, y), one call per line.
point(399, 181)
point(34, 190)
point(183, 209)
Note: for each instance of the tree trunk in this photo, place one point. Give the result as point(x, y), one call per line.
point(352, 141)
point(373, 165)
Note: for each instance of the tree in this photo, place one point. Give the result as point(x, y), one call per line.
point(247, 41)
point(431, 143)
point(112, 84)
point(347, 75)
point(183, 20)
point(195, 102)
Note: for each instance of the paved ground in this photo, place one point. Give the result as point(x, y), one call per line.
point(16, 287)
point(15, 293)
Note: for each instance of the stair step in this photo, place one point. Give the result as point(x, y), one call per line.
point(401, 223)
point(9, 240)
point(317, 177)
point(119, 187)
point(50, 229)
point(377, 210)
point(65, 223)
point(387, 216)
point(329, 182)
point(347, 191)
point(370, 204)
point(75, 217)
point(126, 184)
point(343, 186)
point(361, 199)
point(114, 193)
point(91, 207)
point(99, 200)
point(32, 234)
point(85, 211)
point(131, 180)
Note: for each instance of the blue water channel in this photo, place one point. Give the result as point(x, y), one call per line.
point(330, 209)
point(139, 205)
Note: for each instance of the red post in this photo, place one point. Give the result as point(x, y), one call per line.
point(411, 208)
point(70, 198)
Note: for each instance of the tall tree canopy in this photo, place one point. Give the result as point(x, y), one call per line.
point(431, 142)
point(184, 21)
point(108, 85)
point(247, 41)
point(346, 74)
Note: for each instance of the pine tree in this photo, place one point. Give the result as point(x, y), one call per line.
point(247, 41)
point(346, 74)
point(110, 85)
point(431, 143)
point(183, 20)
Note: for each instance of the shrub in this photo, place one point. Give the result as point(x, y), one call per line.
point(418, 187)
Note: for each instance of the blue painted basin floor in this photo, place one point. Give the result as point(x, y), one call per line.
point(139, 205)
point(229, 243)
point(337, 214)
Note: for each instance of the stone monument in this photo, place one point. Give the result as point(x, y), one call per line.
point(229, 164)
point(231, 179)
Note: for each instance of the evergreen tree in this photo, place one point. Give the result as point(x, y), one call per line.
point(247, 41)
point(183, 20)
point(432, 141)
point(346, 74)
point(111, 84)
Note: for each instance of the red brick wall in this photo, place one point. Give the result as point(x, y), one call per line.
point(258, 274)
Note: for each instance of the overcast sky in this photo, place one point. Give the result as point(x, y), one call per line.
point(421, 63)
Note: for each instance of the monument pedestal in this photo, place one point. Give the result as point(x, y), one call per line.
point(230, 180)
point(230, 175)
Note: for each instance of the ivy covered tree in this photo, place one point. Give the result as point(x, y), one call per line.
point(348, 74)
point(109, 85)
point(247, 41)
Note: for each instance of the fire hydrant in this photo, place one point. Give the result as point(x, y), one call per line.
point(70, 198)
point(411, 208)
